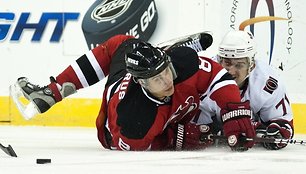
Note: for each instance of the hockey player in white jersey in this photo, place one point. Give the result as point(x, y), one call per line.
point(259, 84)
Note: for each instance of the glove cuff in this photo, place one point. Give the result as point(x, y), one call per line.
point(180, 137)
point(236, 111)
point(236, 114)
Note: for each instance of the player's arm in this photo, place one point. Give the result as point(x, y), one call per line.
point(276, 116)
point(93, 66)
point(235, 115)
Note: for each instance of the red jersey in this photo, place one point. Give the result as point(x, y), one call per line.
point(130, 117)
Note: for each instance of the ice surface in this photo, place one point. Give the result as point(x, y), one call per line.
point(77, 151)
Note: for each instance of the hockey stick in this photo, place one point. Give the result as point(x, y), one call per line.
point(264, 140)
point(198, 41)
point(8, 150)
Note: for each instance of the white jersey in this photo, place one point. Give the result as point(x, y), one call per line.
point(266, 93)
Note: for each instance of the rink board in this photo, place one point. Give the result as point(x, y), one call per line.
point(83, 112)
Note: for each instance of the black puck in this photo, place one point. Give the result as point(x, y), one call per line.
point(43, 161)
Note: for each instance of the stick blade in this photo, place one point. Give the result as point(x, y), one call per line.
point(205, 39)
point(11, 151)
point(8, 150)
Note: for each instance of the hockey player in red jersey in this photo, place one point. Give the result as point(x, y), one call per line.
point(259, 84)
point(151, 96)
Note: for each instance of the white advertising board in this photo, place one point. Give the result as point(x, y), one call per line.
point(44, 49)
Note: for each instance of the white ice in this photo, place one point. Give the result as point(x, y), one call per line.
point(77, 151)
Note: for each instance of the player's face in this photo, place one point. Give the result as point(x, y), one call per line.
point(161, 85)
point(238, 68)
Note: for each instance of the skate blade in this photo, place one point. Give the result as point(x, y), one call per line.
point(28, 110)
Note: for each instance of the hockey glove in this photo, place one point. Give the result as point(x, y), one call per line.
point(237, 125)
point(279, 129)
point(166, 140)
point(193, 137)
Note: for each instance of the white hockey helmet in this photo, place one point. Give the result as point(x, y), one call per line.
point(238, 44)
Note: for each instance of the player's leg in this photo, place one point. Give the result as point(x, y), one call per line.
point(40, 98)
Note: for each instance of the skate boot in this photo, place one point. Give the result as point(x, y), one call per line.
point(198, 42)
point(40, 99)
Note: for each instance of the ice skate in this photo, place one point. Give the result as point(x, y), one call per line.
point(40, 99)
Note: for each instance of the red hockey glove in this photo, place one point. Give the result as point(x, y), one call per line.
point(193, 137)
point(237, 125)
point(166, 140)
point(279, 129)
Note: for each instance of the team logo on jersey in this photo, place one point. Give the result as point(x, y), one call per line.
point(183, 110)
point(271, 85)
point(110, 9)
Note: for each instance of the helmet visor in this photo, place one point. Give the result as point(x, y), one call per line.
point(160, 85)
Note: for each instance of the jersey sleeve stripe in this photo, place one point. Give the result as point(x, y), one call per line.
point(222, 84)
point(93, 61)
point(225, 77)
point(88, 70)
point(79, 74)
point(222, 79)
point(216, 78)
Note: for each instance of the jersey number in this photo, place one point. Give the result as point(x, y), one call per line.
point(205, 65)
point(282, 103)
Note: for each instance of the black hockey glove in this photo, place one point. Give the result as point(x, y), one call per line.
point(279, 129)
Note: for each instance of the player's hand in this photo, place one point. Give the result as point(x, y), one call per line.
point(183, 137)
point(196, 136)
point(237, 125)
point(279, 129)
